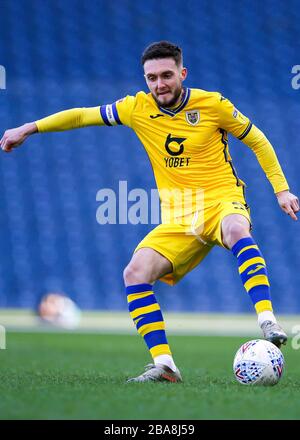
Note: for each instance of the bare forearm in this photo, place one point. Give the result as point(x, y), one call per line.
point(30, 128)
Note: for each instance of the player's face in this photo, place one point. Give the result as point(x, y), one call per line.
point(164, 79)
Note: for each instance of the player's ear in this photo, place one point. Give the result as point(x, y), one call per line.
point(183, 73)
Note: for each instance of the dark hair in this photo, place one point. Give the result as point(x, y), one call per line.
point(162, 49)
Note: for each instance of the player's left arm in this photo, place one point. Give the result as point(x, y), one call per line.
point(241, 127)
point(289, 203)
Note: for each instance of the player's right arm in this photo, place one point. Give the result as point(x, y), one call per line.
point(118, 113)
point(16, 136)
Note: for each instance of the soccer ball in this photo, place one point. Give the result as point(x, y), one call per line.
point(258, 362)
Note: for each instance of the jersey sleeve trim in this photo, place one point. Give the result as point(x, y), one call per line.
point(109, 114)
point(245, 132)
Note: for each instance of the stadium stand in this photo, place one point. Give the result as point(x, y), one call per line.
point(60, 54)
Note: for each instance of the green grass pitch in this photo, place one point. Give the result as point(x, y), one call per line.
point(82, 376)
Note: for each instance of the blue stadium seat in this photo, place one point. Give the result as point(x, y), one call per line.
point(62, 54)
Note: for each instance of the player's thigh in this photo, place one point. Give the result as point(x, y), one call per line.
point(178, 245)
point(223, 214)
point(146, 265)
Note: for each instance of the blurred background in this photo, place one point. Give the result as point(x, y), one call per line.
point(60, 54)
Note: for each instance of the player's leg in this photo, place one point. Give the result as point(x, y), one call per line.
point(168, 253)
point(253, 271)
point(145, 267)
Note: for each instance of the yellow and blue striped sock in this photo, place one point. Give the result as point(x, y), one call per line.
point(253, 272)
point(147, 317)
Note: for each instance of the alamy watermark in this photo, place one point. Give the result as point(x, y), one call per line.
point(296, 79)
point(2, 77)
point(138, 206)
point(2, 338)
point(296, 337)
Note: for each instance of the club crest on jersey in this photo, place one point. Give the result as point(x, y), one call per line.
point(192, 117)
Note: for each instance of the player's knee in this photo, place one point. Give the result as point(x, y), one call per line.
point(127, 274)
point(134, 274)
point(239, 229)
point(234, 232)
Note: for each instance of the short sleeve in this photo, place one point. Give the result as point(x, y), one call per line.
point(231, 119)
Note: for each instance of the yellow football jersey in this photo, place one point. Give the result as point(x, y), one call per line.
point(187, 146)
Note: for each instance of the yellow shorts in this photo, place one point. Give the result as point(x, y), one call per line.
point(187, 243)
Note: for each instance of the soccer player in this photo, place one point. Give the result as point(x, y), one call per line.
point(184, 132)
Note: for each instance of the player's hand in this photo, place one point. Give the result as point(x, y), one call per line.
point(16, 136)
point(288, 203)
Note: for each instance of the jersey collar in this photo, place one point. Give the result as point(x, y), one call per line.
point(184, 101)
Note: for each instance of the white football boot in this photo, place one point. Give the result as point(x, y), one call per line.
point(158, 373)
point(274, 333)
